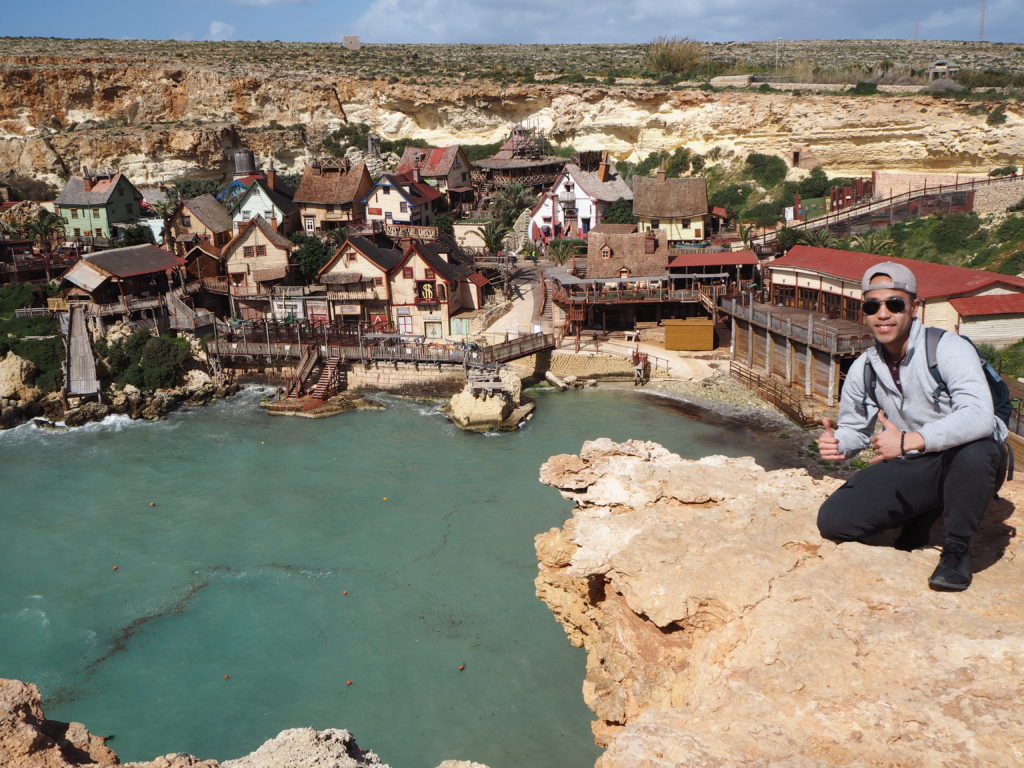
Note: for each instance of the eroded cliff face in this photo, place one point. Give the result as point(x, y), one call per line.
point(157, 122)
point(720, 629)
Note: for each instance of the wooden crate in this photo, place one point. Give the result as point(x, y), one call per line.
point(691, 333)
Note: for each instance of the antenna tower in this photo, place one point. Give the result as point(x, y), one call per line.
point(981, 21)
point(917, 29)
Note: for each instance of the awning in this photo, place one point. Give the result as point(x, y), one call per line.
point(460, 189)
point(266, 275)
point(344, 278)
point(85, 276)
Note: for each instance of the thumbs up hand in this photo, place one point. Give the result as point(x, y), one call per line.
point(887, 443)
point(828, 444)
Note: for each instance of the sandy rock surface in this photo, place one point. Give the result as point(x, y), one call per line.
point(722, 630)
point(308, 748)
point(16, 377)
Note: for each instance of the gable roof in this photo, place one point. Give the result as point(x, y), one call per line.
point(671, 198)
point(414, 192)
point(933, 280)
point(385, 258)
point(725, 259)
point(628, 250)
point(993, 304)
point(434, 254)
point(75, 193)
point(330, 185)
point(134, 260)
point(269, 232)
point(208, 210)
point(609, 228)
point(434, 162)
point(284, 204)
point(605, 191)
point(205, 246)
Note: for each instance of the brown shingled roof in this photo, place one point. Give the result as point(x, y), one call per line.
point(627, 250)
point(75, 193)
point(669, 198)
point(330, 185)
point(208, 210)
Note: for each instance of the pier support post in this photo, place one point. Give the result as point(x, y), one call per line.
point(832, 375)
point(808, 370)
point(789, 360)
point(732, 339)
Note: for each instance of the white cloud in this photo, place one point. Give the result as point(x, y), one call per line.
point(611, 21)
point(220, 30)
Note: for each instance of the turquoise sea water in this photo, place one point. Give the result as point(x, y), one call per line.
point(261, 524)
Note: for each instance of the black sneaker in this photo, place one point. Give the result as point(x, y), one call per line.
point(953, 573)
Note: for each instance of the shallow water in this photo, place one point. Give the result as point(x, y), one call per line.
point(261, 524)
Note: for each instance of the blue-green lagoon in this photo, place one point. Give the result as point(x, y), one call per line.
point(261, 524)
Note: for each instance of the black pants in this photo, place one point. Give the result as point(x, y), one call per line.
point(959, 481)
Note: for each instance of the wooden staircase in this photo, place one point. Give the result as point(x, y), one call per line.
point(329, 380)
point(308, 367)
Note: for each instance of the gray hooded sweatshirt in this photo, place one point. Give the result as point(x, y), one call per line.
point(944, 421)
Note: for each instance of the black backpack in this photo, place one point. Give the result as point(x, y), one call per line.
point(1001, 401)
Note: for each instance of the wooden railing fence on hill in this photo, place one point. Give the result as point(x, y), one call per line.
point(773, 392)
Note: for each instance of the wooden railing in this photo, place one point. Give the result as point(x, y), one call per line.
point(773, 392)
point(28, 265)
point(819, 334)
point(216, 284)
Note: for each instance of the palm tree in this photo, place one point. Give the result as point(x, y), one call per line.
point(493, 234)
point(510, 202)
point(561, 250)
point(873, 242)
point(819, 238)
point(43, 228)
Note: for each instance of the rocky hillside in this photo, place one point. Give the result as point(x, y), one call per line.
point(162, 118)
point(720, 628)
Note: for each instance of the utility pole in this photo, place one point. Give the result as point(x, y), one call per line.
point(778, 40)
point(981, 21)
point(917, 29)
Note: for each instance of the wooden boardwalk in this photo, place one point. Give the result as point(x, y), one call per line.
point(80, 368)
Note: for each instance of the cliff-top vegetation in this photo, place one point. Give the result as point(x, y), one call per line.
point(659, 62)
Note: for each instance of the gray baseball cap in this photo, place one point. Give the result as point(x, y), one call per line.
point(900, 278)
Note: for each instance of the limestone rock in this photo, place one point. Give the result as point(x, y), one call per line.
point(28, 740)
point(722, 630)
point(479, 412)
point(307, 748)
point(460, 764)
point(86, 412)
point(16, 377)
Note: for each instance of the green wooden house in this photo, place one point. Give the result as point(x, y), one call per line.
point(90, 204)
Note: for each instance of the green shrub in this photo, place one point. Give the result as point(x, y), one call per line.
point(48, 356)
point(1006, 170)
point(954, 232)
point(815, 185)
point(864, 88)
point(675, 55)
point(766, 213)
point(145, 361)
point(732, 197)
point(1012, 229)
point(14, 296)
point(767, 170)
point(311, 255)
point(996, 117)
point(619, 212)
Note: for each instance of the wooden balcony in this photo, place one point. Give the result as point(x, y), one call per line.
point(840, 337)
point(615, 296)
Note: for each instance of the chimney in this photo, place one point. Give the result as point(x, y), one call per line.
point(603, 170)
point(272, 176)
point(415, 173)
point(650, 243)
point(660, 175)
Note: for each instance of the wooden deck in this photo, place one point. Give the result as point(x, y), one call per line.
point(840, 337)
point(80, 368)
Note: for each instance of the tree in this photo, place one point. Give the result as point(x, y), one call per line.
point(493, 234)
point(338, 236)
point(43, 229)
point(787, 238)
point(560, 250)
point(619, 212)
point(510, 202)
point(135, 235)
point(873, 242)
point(445, 225)
point(767, 170)
point(311, 255)
point(819, 238)
point(814, 185)
point(187, 188)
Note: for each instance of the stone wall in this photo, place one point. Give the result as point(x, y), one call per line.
point(407, 378)
point(591, 366)
point(889, 183)
point(996, 198)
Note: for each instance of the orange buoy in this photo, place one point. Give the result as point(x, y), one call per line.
point(114, 568)
point(227, 677)
point(385, 498)
point(349, 682)
point(344, 591)
point(461, 667)
point(152, 503)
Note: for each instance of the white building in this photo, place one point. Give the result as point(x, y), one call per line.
point(576, 202)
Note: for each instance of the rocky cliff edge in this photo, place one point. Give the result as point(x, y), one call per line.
point(721, 629)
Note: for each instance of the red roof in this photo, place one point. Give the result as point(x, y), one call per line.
point(933, 280)
point(479, 280)
point(993, 304)
point(729, 258)
point(435, 162)
point(717, 210)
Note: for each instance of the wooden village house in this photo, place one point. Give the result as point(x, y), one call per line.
point(357, 283)
point(124, 283)
point(401, 199)
point(330, 194)
point(428, 291)
point(524, 158)
point(678, 207)
point(576, 202)
point(269, 200)
point(200, 219)
point(447, 169)
point(91, 205)
point(255, 260)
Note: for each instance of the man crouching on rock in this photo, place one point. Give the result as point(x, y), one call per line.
point(939, 450)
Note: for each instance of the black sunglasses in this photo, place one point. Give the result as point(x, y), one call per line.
point(894, 304)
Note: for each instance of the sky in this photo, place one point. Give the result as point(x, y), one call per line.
point(511, 21)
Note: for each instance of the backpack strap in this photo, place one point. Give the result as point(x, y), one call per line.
point(869, 386)
point(931, 347)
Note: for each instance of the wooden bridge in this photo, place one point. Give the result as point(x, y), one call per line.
point(80, 366)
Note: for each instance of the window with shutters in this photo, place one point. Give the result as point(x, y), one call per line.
point(186, 220)
point(407, 273)
point(74, 213)
point(403, 207)
point(261, 250)
point(248, 251)
point(429, 274)
point(378, 281)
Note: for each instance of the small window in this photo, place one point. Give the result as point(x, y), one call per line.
point(98, 232)
point(95, 211)
point(246, 215)
point(186, 221)
point(429, 274)
point(378, 281)
point(407, 273)
point(78, 232)
point(403, 207)
point(686, 223)
point(655, 223)
point(248, 251)
point(388, 216)
point(310, 224)
point(261, 250)
point(606, 252)
point(386, 190)
point(74, 213)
